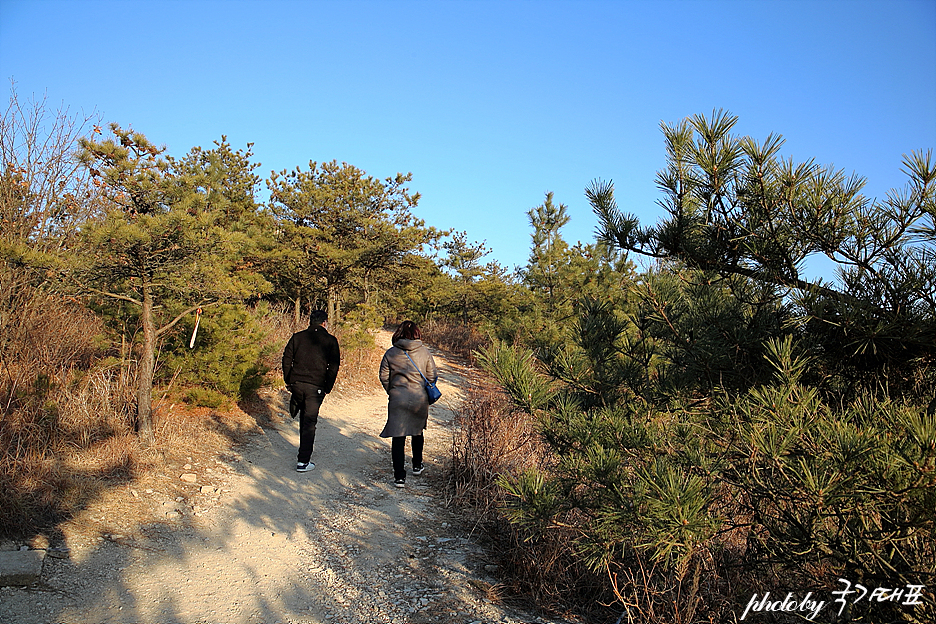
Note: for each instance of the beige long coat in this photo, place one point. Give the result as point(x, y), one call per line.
point(408, 404)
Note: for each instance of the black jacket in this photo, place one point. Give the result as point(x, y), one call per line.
point(312, 356)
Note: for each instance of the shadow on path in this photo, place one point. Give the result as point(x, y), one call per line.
point(336, 544)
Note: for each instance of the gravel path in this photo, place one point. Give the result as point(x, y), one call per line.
point(270, 545)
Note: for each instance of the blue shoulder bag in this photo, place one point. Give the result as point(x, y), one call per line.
point(431, 390)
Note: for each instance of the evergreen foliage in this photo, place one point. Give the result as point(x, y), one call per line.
point(338, 229)
point(478, 293)
point(719, 410)
point(549, 260)
point(164, 244)
point(44, 197)
point(558, 276)
point(737, 209)
point(854, 488)
point(722, 397)
point(227, 356)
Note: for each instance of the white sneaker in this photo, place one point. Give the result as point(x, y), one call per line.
point(306, 467)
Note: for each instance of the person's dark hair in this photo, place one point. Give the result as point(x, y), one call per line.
point(317, 317)
point(407, 330)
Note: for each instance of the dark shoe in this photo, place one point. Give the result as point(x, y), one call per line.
point(400, 483)
point(306, 467)
point(418, 469)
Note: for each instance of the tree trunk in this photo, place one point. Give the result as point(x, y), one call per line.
point(146, 366)
point(465, 307)
point(334, 306)
point(297, 312)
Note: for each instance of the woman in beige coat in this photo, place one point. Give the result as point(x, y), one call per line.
point(408, 405)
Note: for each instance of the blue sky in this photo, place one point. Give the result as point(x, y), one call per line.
point(491, 104)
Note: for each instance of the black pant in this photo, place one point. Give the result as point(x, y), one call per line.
point(398, 454)
point(310, 400)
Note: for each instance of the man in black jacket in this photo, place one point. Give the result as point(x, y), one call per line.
point(310, 366)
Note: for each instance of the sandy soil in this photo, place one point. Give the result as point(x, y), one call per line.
point(265, 544)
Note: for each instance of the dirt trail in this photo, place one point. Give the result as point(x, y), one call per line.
point(337, 544)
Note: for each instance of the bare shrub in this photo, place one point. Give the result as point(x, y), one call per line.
point(99, 405)
point(44, 193)
point(36, 451)
point(41, 334)
point(278, 324)
point(491, 441)
point(53, 335)
point(47, 342)
point(359, 368)
point(54, 407)
point(75, 446)
point(59, 395)
point(462, 340)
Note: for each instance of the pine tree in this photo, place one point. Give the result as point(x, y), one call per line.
point(339, 227)
point(162, 246)
point(559, 277)
point(737, 209)
point(463, 259)
point(728, 394)
point(548, 255)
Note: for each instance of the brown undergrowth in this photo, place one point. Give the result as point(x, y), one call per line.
point(491, 441)
point(75, 458)
point(455, 338)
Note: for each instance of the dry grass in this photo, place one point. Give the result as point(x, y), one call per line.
point(359, 368)
point(56, 473)
point(492, 440)
point(454, 338)
point(358, 364)
point(51, 404)
point(278, 325)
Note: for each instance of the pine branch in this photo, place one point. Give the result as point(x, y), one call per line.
point(203, 304)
